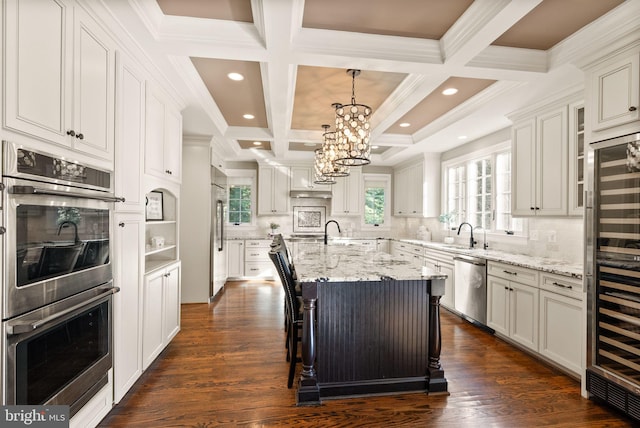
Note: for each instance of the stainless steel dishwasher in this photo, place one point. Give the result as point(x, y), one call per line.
point(470, 287)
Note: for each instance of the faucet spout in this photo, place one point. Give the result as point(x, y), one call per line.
point(325, 229)
point(472, 241)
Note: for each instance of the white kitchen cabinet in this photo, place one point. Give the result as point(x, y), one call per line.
point(442, 262)
point(539, 154)
point(273, 190)
point(561, 321)
point(576, 158)
point(257, 263)
point(59, 79)
point(161, 311)
point(512, 307)
point(348, 194)
point(302, 178)
point(408, 191)
point(235, 258)
point(127, 303)
point(129, 126)
point(614, 87)
point(163, 140)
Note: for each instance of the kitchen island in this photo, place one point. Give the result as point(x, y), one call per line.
point(377, 324)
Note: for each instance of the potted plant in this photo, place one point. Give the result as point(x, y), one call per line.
point(446, 219)
point(274, 227)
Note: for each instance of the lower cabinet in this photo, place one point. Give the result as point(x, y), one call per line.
point(561, 321)
point(257, 263)
point(512, 306)
point(443, 263)
point(235, 258)
point(161, 311)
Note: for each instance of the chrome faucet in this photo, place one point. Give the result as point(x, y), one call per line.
point(66, 224)
point(472, 241)
point(325, 229)
point(485, 244)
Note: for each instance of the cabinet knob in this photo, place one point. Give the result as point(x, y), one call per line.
point(121, 224)
point(2, 230)
point(80, 136)
point(71, 132)
point(632, 108)
point(531, 208)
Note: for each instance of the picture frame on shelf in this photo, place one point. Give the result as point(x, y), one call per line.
point(154, 206)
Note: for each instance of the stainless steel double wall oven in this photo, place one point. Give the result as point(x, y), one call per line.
point(56, 278)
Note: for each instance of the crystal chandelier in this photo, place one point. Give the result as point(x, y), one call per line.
point(353, 129)
point(327, 164)
point(320, 178)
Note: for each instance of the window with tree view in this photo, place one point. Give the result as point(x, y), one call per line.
point(478, 191)
point(239, 204)
point(376, 191)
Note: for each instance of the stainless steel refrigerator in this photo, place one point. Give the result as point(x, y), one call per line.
point(218, 215)
point(612, 273)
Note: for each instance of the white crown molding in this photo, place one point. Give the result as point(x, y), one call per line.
point(473, 104)
point(377, 51)
point(601, 39)
point(410, 92)
point(248, 133)
point(482, 23)
point(393, 140)
point(565, 96)
point(528, 61)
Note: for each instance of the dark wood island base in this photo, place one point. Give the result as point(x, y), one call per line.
point(370, 338)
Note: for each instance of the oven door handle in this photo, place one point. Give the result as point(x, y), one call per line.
point(31, 190)
point(16, 329)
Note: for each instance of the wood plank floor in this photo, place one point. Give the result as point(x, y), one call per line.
point(226, 368)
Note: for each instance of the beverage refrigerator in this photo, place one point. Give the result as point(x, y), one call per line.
point(612, 273)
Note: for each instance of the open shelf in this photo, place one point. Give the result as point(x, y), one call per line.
point(166, 228)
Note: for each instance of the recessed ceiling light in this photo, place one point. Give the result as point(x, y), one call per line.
point(462, 137)
point(310, 144)
point(449, 91)
point(374, 147)
point(257, 143)
point(248, 116)
point(235, 76)
point(404, 125)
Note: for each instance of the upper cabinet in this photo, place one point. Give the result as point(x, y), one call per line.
point(163, 147)
point(273, 189)
point(576, 158)
point(302, 178)
point(348, 194)
point(408, 196)
point(130, 102)
point(614, 94)
point(59, 79)
point(416, 188)
point(541, 164)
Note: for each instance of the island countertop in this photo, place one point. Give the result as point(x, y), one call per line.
point(346, 263)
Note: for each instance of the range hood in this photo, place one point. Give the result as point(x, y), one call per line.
point(322, 194)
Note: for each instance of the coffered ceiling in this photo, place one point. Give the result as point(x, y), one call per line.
point(500, 55)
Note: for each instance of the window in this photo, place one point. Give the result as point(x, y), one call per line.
point(478, 191)
point(376, 199)
point(241, 200)
point(239, 203)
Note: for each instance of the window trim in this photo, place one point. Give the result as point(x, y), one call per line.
point(386, 178)
point(243, 177)
point(490, 151)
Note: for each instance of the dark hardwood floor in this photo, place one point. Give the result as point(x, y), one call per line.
point(227, 368)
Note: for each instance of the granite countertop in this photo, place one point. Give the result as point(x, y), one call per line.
point(341, 263)
point(545, 264)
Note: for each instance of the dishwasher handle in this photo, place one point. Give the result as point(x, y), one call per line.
point(476, 262)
